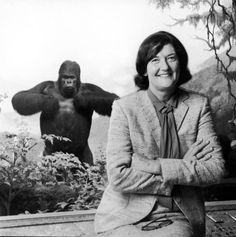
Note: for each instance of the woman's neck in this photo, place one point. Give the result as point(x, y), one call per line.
point(163, 96)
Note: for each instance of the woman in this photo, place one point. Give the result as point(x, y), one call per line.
point(161, 148)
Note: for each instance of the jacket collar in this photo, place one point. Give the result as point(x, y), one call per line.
point(148, 111)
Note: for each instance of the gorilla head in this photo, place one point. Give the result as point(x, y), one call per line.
point(69, 78)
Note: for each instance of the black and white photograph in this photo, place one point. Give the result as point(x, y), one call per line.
point(118, 118)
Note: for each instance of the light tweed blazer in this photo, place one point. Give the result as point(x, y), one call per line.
point(135, 132)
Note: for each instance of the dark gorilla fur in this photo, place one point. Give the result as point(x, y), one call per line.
point(66, 107)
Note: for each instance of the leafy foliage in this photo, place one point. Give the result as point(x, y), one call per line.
point(15, 175)
point(56, 182)
point(87, 182)
point(182, 3)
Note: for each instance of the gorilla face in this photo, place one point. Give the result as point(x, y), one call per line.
point(69, 78)
point(68, 85)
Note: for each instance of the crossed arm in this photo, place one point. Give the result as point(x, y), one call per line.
point(135, 173)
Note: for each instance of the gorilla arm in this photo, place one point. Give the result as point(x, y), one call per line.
point(93, 97)
point(35, 100)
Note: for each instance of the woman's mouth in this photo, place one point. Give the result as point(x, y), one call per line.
point(164, 75)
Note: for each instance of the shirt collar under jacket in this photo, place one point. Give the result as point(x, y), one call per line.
point(159, 105)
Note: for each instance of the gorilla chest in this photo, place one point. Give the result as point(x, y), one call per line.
point(66, 107)
point(67, 120)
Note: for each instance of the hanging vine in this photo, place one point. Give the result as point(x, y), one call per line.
point(226, 24)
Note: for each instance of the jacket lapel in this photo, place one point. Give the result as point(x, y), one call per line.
point(182, 109)
point(149, 113)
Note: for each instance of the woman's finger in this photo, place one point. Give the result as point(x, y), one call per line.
point(197, 149)
point(204, 152)
point(205, 158)
point(195, 145)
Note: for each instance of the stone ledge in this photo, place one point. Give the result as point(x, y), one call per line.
point(82, 216)
point(76, 223)
point(46, 218)
point(220, 205)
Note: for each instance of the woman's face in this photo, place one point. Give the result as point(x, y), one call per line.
point(163, 70)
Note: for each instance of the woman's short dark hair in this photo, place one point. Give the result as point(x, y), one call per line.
point(150, 47)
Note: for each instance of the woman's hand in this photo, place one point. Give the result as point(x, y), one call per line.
point(199, 150)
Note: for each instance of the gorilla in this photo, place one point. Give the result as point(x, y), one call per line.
point(66, 107)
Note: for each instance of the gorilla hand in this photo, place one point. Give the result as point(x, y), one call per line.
point(50, 105)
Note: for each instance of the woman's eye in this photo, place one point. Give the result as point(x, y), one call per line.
point(171, 58)
point(155, 60)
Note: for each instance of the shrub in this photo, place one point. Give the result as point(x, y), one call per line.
point(57, 182)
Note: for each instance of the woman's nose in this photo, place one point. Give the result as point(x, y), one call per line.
point(164, 64)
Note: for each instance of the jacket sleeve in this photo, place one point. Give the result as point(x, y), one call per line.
point(122, 176)
point(197, 172)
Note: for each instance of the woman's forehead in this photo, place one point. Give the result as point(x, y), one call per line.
point(167, 49)
point(161, 49)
